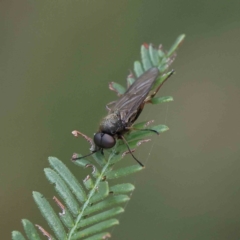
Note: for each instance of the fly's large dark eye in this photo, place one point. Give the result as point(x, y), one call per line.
point(104, 140)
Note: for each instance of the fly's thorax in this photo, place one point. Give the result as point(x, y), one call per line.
point(111, 124)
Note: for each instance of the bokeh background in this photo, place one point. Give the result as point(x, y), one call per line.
point(56, 60)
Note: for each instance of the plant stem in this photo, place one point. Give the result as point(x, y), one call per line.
point(92, 192)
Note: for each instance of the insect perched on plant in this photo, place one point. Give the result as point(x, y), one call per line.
point(125, 111)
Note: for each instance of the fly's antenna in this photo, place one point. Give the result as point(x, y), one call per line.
point(73, 158)
point(125, 141)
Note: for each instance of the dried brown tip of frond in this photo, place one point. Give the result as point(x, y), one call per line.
point(92, 166)
point(86, 178)
point(88, 139)
point(111, 87)
point(127, 152)
point(160, 47)
point(148, 123)
point(108, 235)
point(60, 205)
point(171, 59)
point(143, 141)
point(74, 156)
point(44, 232)
point(146, 45)
point(131, 75)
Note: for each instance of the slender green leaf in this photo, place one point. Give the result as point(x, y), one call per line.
point(64, 215)
point(163, 67)
point(100, 159)
point(81, 162)
point(138, 69)
point(143, 134)
point(122, 188)
point(88, 182)
point(142, 125)
point(100, 217)
point(50, 216)
point(86, 164)
point(30, 230)
point(16, 235)
point(116, 157)
point(157, 100)
point(153, 52)
point(95, 173)
point(69, 178)
point(123, 171)
point(119, 89)
point(176, 45)
point(63, 190)
point(100, 236)
point(130, 80)
point(101, 192)
point(133, 144)
point(161, 80)
point(95, 228)
point(66, 218)
point(161, 54)
point(107, 203)
point(145, 57)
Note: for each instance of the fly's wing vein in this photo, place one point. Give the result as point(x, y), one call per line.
point(131, 100)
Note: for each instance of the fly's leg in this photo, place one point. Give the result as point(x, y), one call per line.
point(130, 151)
point(145, 129)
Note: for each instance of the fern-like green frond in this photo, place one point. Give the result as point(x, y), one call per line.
point(90, 205)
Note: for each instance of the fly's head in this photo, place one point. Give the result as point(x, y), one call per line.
point(108, 129)
point(104, 140)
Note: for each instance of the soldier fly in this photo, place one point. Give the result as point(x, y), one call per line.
point(125, 111)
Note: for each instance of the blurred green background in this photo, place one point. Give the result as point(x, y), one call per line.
point(56, 60)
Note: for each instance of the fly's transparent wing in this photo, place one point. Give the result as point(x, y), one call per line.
point(129, 103)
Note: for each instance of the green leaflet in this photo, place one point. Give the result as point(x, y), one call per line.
point(123, 171)
point(122, 188)
point(176, 45)
point(49, 215)
point(17, 236)
point(130, 80)
point(95, 228)
point(88, 182)
point(101, 192)
point(153, 53)
point(137, 135)
point(69, 178)
point(116, 87)
point(109, 202)
point(63, 190)
point(138, 69)
point(100, 217)
point(157, 100)
point(66, 218)
point(30, 230)
point(146, 60)
point(104, 235)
